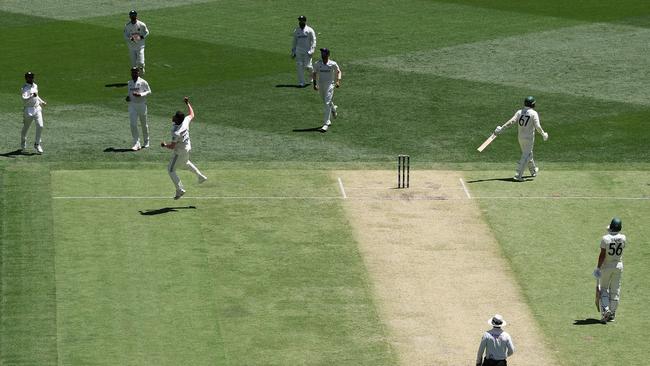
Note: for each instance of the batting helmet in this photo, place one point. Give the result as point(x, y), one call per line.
point(529, 101)
point(324, 52)
point(302, 18)
point(133, 13)
point(616, 225)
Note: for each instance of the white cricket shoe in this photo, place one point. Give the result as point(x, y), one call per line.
point(38, 149)
point(518, 178)
point(202, 178)
point(533, 172)
point(334, 111)
point(136, 147)
point(179, 193)
point(146, 145)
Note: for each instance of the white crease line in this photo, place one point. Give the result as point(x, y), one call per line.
point(342, 189)
point(198, 198)
point(564, 198)
point(462, 182)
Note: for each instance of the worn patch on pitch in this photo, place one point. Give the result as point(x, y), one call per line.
point(600, 60)
point(437, 270)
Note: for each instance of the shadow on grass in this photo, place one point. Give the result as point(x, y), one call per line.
point(291, 86)
point(587, 321)
point(116, 85)
point(13, 154)
point(311, 129)
point(510, 179)
point(117, 150)
point(163, 210)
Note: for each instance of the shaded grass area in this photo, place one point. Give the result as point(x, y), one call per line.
point(28, 323)
point(553, 246)
point(236, 282)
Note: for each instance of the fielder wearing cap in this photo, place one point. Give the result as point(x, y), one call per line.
point(327, 76)
point(609, 269)
point(135, 33)
point(302, 49)
point(496, 344)
point(32, 112)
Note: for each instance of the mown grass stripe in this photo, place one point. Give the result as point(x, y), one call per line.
point(28, 325)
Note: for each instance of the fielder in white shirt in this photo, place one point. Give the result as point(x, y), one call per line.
point(135, 33)
point(137, 99)
point(496, 344)
point(528, 121)
point(304, 44)
point(181, 147)
point(609, 270)
point(32, 112)
point(327, 76)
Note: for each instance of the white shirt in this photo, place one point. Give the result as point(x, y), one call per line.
point(304, 40)
point(181, 134)
point(327, 72)
point(139, 29)
point(528, 121)
point(139, 86)
point(32, 104)
point(496, 344)
point(613, 243)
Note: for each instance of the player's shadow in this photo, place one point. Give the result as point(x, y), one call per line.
point(117, 150)
point(509, 179)
point(587, 321)
point(311, 129)
point(13, 154)
point(291, 86)
point(116, 85)
point(164, 210)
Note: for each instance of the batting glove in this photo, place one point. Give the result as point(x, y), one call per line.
point(498, 130)
point(545, 136)
point(597, 273)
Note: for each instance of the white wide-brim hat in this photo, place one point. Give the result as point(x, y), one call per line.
point(497, 321)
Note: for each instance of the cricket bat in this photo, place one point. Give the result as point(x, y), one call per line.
point(486, 142)
point(598, 295)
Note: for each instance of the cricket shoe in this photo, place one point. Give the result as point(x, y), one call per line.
point(136, 146)
point(323, 129)
point(334, 111)
point(606, 316)
point(179, 193)
point(612, 317)
point(533, 172)
point(518, 178)
point(38, 149)
point(146, 145)
point(202, 178)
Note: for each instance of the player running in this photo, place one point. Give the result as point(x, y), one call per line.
point(181, 147)
point(528, 121)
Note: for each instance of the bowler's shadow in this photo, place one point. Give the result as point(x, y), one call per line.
point(163, 210)
point(588, 321)
point(13, 154)
point(510, 179)
point(311, 129)
point(117, 150)
point(291, 86)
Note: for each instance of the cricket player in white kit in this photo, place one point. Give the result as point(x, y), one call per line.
point(32, 112)
point(496, 344)
point(137, 99)
point(609, 270)
point(135, 33)
point(327, 76)
point(528, 121)
point(181, 147)
point(304, 44)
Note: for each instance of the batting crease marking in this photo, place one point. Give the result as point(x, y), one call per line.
point(342, 189)
point(462, 182)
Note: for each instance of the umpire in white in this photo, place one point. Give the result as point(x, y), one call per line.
point(137, 99)
point(496, 344)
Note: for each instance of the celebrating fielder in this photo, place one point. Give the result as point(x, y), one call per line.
point(32, 112)
point(135, 32)
point(326, 76)
point(528, 121)
point(181, 147)
point(304, 44)
point(609, 269)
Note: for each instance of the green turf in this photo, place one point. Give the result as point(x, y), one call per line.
point(550, 231)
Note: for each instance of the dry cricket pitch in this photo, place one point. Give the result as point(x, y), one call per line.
point(436, 268)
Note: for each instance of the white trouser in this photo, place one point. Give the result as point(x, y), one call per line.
point(526, 146)
point(327, 93)
point(137, 58)
point(139, 111)
point(181, 157)
point(303, 63)
point(28, 118)
point(610, 288)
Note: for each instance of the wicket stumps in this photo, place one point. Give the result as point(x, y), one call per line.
point(403, 170)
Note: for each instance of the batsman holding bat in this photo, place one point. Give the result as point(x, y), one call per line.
point(609, 270)
point(528, 121)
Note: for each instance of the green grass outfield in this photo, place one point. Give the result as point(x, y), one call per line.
point(263, 279)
